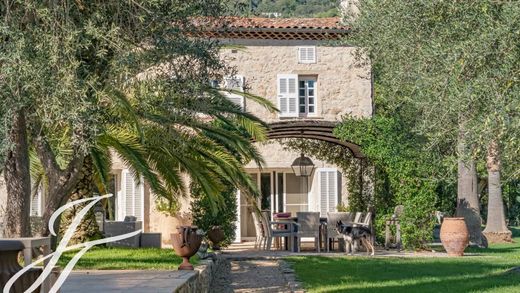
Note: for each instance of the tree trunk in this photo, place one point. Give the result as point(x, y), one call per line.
point(496, 229)
point(468, 205)
point(61, 182)
point(88, 229)
point(18, 181)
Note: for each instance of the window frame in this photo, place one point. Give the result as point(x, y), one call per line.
point(307, 104)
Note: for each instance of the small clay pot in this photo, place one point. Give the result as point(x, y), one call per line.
point(216, 235)
point(454, 236)
point(186, 243)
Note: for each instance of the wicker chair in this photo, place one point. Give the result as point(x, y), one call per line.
point(308, 226)
point(331, 231)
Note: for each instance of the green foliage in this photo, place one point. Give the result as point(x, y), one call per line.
point(108, 258)
point(205, 217)
point(287, 8)
point(98, 77)
point(489, 272)
point(440, 69)
point(402, 174)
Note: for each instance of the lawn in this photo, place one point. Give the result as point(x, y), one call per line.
point(487, 272)
point(101, 258)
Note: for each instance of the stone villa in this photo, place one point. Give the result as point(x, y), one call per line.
point(297, 65)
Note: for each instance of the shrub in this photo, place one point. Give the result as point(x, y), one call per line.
point(205, 215)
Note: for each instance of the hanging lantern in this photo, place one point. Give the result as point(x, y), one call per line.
point(302, 166)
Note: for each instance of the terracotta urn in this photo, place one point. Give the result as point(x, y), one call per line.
point(216, 235)
point(186, 243)
point(454, 236)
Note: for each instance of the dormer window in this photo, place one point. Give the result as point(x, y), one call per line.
point(306, 55)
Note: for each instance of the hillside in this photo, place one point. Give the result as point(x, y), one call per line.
point(285, 8)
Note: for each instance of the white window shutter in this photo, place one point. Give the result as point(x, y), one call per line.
point(333, 190)
point(288, 95)
point(235, 83)
point(328, 180)
point(36, 204)
point(307, 55)
point(132, 201)
point(129, 196)
point(139, 200)
point(323, 193)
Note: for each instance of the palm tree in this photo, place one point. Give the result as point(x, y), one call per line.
point(496, 230)
point(207, 138)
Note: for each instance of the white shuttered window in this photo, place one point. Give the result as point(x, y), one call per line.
point(131, 201)
point(328, 183)
point(307, 55)
point(235, 83)
point(288, 95)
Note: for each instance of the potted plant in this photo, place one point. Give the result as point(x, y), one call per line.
point(219, 222)
point(186, 243)
point(216, 235)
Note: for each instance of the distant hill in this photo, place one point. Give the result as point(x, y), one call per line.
point(285, 8)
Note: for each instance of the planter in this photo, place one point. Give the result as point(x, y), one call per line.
point(9, 266)
point(186, 243)
point(454, 236)
point(216, 235)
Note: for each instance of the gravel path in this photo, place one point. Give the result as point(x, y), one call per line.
point(257, 276)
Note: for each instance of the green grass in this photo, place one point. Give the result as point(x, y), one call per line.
point(487, 272)
point(102, 258)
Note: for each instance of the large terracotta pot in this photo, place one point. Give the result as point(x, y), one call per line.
point(216, 234)
point(454, 236)
point(186, 243)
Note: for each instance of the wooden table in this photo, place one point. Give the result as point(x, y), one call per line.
point(323, 220)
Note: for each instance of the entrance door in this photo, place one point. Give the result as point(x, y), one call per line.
point(247, 226)
point(265, 184)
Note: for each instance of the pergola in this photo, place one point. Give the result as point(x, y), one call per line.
point(311, 129)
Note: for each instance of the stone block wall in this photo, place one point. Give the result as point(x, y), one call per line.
point(344, 85)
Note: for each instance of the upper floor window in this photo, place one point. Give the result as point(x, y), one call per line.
point(296, 95)
point(307, 96)
point(233, 83)
point(307, 55)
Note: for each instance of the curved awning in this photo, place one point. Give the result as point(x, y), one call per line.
point(311, 129)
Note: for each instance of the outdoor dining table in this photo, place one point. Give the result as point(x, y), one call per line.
point(290, 220)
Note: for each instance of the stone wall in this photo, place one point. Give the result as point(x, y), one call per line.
point(206, 276)
point(343, 86)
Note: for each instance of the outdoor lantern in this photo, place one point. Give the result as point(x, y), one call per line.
point(302, 166)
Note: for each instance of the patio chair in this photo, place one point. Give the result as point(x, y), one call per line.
point(366, 222)
point(331, 232)
point(260, 234)
point(358, 217)
point(308, 226)
point(273, 230)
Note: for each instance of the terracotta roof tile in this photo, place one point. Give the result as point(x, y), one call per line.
point(281, 23)
point(272, 28)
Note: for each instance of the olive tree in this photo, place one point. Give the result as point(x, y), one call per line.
point(457, 64)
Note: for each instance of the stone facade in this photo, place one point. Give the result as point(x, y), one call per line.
point(344, 87)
